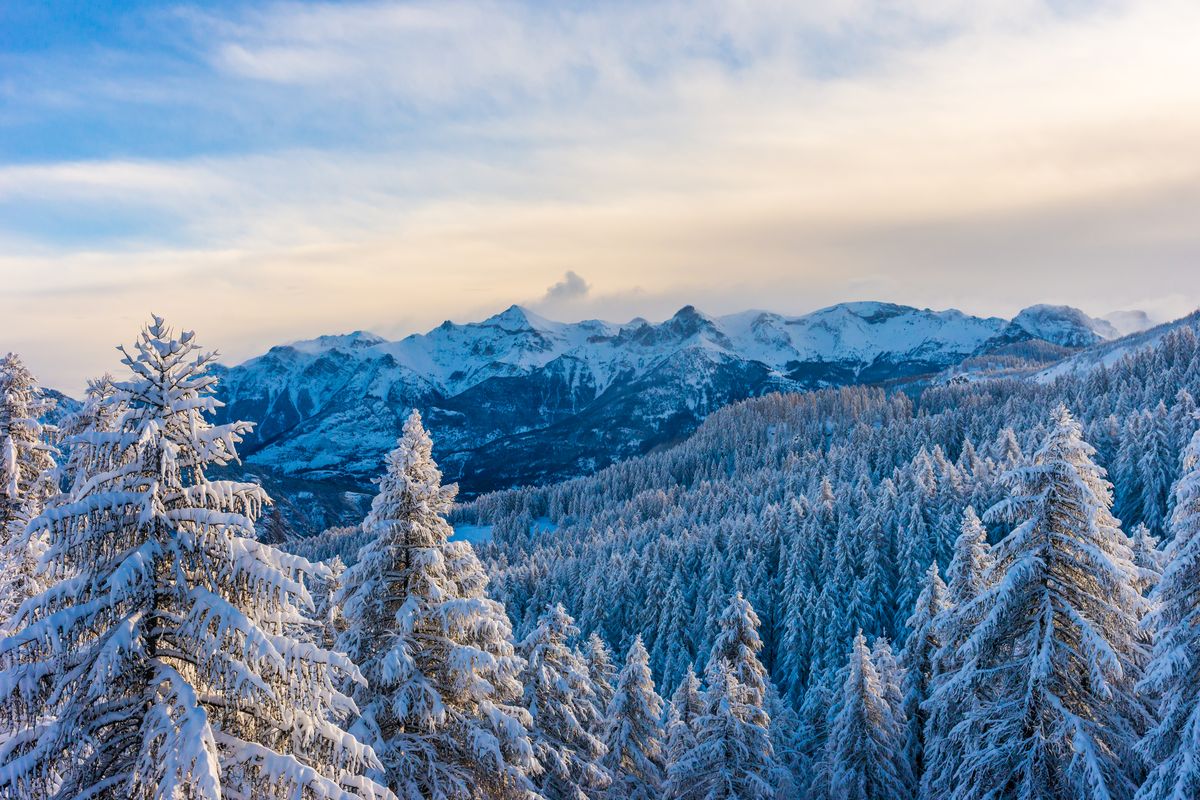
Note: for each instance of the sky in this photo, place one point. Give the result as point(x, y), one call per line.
point(265, 172)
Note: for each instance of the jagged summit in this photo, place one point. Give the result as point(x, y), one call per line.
point(517, 398)
point(1063, 325)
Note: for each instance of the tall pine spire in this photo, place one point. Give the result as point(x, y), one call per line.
point(1172, 746)
point(26, 482)
point(1054, 660)
point(168, 641)
point(442, 704)
point(865, 737)
point(634, 735)
point(559, 695)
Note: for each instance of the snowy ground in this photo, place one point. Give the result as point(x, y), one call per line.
point(479, 534)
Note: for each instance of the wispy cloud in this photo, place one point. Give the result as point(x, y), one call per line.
point(300, 168)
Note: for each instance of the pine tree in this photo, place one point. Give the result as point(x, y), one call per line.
point(633, 735)
point(1055, 658)
point(860, 758)
point(918, 661)
point(1147, 558)
point(686, 707)
point(738, 644)
point(563, 703)
point(601, 671)
point(1172, 745)
point(1156, 466)
point(442, 706)
point(26, 482)
point(732, 758)
point(785, 744)
point(162, 663)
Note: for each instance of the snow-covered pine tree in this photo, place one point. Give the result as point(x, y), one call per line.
point(785, 733)
point(1147, 558)
point(738, 644)
point(442, 706)
point(560, 697)
point(634, 736)
point(864, 740)
point(601, 671)
point(1053, 663)
point(732, 758)
point(161, 665)
point(891, 683)
point(891, 674)
point(100, 412)
point(918, 661)
point(1157, 465)
point(26, 482)
point(686, 707)
point(1172, 745)
point(969, 573)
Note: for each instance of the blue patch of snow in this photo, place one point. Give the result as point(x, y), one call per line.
point(475, 534)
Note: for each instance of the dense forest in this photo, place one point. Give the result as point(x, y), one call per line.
point(987, 590)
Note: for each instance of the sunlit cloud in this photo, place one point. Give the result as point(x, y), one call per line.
point(389, 165)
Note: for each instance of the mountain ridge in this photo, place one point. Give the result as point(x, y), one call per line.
point(517, 398)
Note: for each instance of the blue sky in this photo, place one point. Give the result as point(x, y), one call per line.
point(269, 171)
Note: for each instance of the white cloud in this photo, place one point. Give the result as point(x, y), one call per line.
point(781, 155)
point(571, 287)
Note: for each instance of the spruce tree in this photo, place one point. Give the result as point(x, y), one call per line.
point(686, 707)
point(1147, 558)
point(918, 661)
point(1172, 745)
point(441, 706)
point(601, 671)
point(865, 737)
point(562, 701)
point(1053, 663)
point(732, 758)
point(634, 737)
point(738, 645)
point(162, 664)
point(26, 482)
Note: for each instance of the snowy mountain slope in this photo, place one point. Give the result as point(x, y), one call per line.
point(518, 398)
point(1110, 353)
point(1061, 325)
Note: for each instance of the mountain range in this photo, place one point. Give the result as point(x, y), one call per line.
point(519, 399)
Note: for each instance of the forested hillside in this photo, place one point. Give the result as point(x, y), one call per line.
point(519, 399)
point(847, 594)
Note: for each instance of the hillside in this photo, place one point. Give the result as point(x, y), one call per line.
point(518, 399)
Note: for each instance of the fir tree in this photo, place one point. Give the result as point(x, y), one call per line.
point(563, 703)
point(737, 645)
point(161, 664)
point(601, 671)
point(26, 482)
point(633, 735)
point(686, 707)
point(732, 758)
point(441, 706)
point(1172, 745)
point(1055, 658)
point(918, 661)
point(1147, 558)
point(860, 759)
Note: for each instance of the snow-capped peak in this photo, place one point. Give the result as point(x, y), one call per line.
point(356, 340)
point(518, 318)
point(1063, 325)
